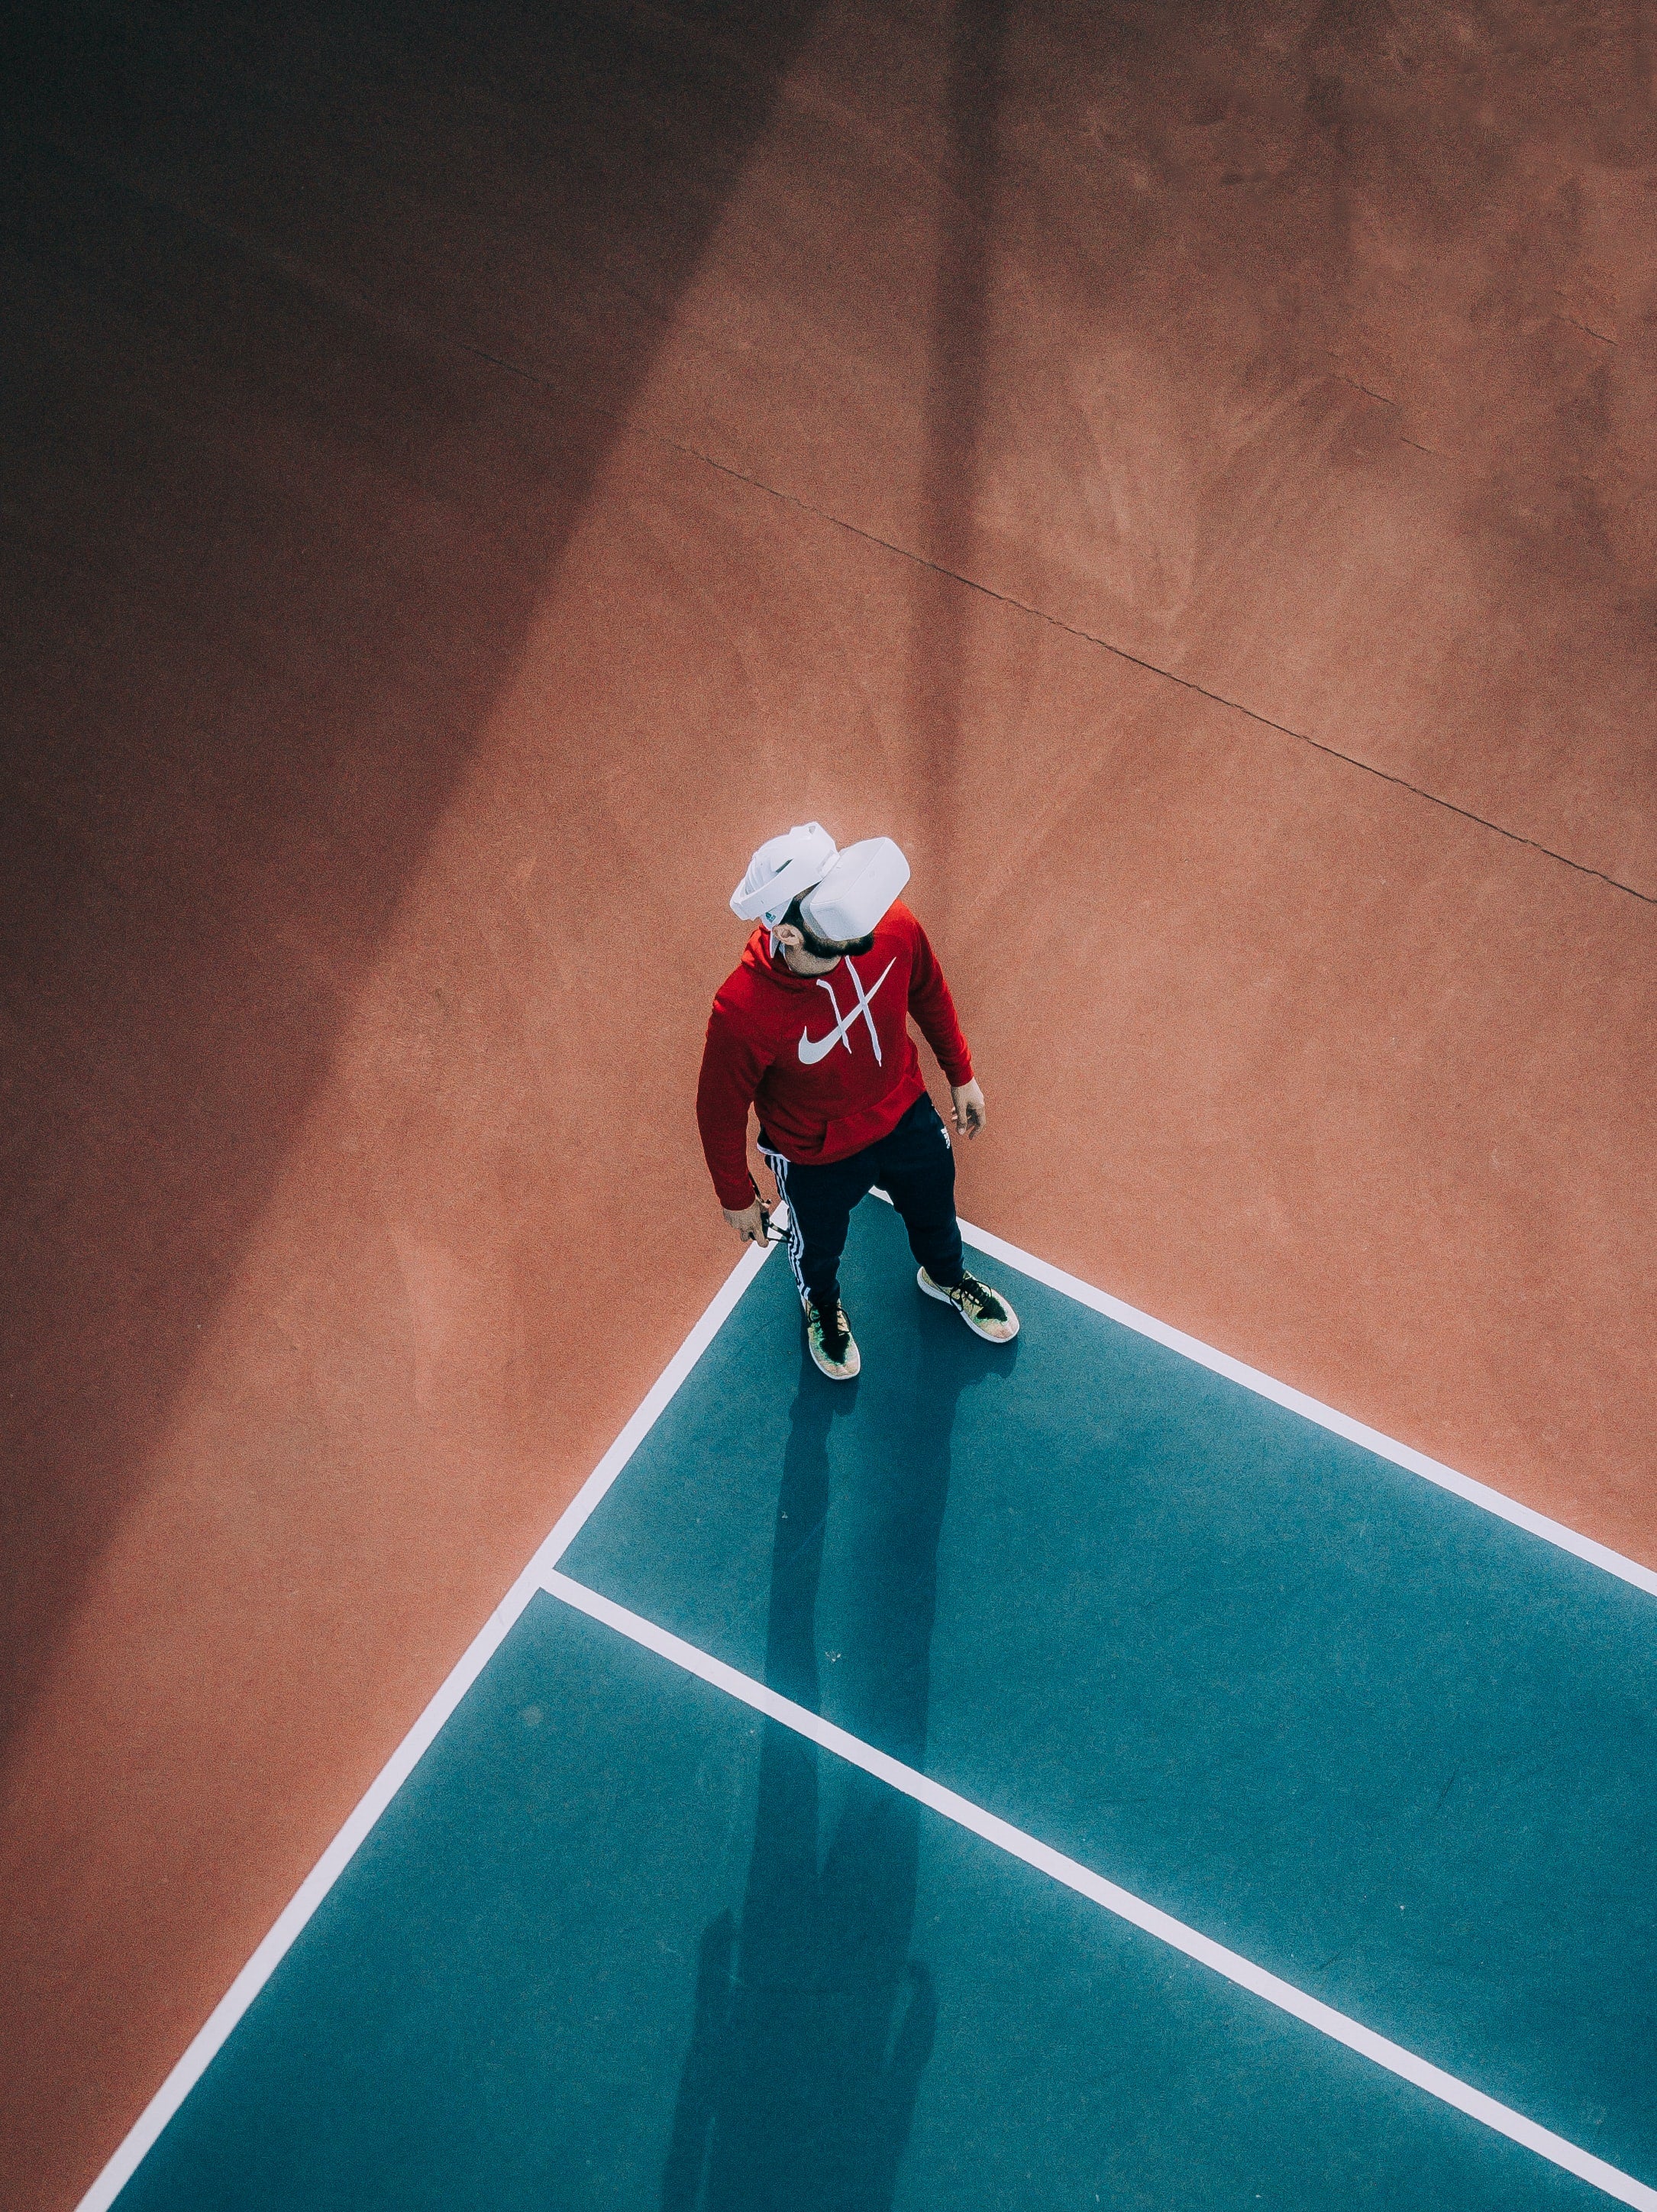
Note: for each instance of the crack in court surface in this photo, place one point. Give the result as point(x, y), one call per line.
point(295, 269)
point(1120, 653)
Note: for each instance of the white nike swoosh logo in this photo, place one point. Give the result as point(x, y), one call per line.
point(812, 1049)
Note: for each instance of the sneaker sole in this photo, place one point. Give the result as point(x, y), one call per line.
point(932, 1291)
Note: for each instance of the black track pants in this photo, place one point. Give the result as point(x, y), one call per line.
point(914, 1165)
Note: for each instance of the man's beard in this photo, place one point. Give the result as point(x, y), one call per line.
point(819, 950)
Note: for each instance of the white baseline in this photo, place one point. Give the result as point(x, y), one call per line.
point(217, 2028)
point(1122, 1902)
point(1340, 1425)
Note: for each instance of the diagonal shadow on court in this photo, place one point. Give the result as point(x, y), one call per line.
point(942, 613)
point(271, 551)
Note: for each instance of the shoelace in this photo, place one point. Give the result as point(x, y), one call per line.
point(834, 1333)
point(982, 1296)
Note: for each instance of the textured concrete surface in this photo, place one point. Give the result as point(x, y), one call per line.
point(399, 669)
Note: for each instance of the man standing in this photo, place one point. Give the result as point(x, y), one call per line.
point(812, 1027)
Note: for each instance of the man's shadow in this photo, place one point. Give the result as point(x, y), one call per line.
point(813, 2023)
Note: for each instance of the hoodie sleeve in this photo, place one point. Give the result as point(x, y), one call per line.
point(934, 1010)
point(732, 1063)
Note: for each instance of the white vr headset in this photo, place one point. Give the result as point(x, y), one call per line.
point(842, 895)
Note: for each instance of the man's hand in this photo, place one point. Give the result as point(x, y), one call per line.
point(969, 1109)
point(749, 1223)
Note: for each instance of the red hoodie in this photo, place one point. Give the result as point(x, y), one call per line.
point(828, 1059)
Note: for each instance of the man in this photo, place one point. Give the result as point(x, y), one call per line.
point(812, 1027)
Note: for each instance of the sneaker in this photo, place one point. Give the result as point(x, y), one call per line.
point(833, 1345)
point(985, 1313)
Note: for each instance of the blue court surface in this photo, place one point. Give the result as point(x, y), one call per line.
point(1056, 1774)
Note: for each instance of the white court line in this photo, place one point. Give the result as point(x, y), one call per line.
point(234, 2002)
point(1445, 2087)
point(1340, 1425)
point(333, 1863)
